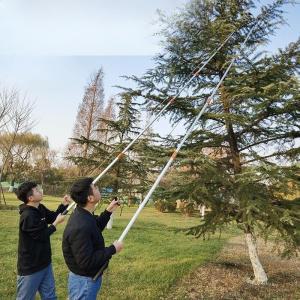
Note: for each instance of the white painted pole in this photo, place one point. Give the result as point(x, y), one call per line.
point(154, 119)
point(110, 222)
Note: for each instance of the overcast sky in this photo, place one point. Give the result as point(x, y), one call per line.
point(49, 49)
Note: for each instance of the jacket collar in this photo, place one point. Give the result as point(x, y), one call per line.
point(81, 210)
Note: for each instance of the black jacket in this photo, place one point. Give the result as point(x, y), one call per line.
point(83, 244)
point(34, 251)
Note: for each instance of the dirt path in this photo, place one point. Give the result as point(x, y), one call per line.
point(226, 277)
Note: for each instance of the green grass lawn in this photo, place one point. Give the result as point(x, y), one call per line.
point(154, 258)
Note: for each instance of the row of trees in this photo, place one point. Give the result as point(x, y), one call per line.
point(100, 133)
point(15, 120)
point(23, 154)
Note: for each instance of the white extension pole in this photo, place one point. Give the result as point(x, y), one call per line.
point(120, 155)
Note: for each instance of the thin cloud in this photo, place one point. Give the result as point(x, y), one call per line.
point(77, 27)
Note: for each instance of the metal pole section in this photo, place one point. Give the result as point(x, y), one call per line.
point(157, 181)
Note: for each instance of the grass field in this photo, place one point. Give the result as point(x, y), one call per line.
point(154, 258)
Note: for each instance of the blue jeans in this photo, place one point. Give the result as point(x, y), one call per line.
point(83, 288)
point(41, 281)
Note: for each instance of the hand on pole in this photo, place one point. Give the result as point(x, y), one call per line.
point(66, 200)
point(59, 219)
point(114, 204)
point(118, 245)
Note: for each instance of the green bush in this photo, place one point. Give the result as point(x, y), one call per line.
point(165, 206)
point(188, 209)
point(8, 207)
point(58, 189)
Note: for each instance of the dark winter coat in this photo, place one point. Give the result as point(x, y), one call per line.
point(34, 250)
point(83, 244)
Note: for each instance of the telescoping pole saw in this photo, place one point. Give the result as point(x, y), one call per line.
point(171, 100)
point(208, 102)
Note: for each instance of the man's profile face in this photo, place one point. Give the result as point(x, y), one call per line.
point(37, 195)
point(96, 192)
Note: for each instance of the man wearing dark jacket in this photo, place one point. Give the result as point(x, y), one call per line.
point(83, 244)
point(34, 250)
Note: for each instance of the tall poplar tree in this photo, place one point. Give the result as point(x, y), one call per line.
point(87, 119)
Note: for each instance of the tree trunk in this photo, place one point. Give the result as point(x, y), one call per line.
point(110, 222)
point(1, 188)
point(42, 178)
point(12, 185)
point(202, 211)
point(201, 208)
point(260, 276)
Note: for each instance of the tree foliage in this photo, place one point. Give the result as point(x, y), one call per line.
point(251, 131)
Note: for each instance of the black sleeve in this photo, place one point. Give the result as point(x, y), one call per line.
point(36, 228)
point(85, 256)
point(51, 215)
point(103, 219)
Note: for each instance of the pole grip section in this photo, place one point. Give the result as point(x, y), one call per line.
point(68, 208)
point(100, 271)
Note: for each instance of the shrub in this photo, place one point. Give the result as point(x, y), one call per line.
point(187, 209)
point(165, 206)
point(8, 207)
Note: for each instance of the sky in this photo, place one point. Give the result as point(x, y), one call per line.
point(81, 27)
point(49, 49)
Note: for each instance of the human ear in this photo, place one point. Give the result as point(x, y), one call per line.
point(91, 198)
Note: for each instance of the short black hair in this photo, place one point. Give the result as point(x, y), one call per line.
point(24, 191)
point(80, 190)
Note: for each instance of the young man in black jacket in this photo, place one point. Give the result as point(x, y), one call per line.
point(34, 251)
point(83, 244)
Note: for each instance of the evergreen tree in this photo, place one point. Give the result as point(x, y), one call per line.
point(120, 132)
point(109, 114)
point(252, 127)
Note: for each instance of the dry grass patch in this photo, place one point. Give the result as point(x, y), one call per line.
point(228, 276)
